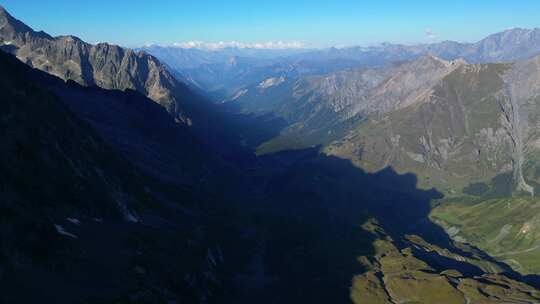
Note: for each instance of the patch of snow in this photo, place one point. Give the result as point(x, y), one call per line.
point(211, 259)
point(220, 254)
point(130, 217)
point(60, 229)
point(74, 221)
point(460, 239)
point(416, 157)
point(452, 231)
point(239, 94)
point(271, 82)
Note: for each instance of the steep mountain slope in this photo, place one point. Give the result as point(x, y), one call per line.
point(478, 123)
point(451, 137)
point(506, 228)
point(141, 130)
point(489, 217)
point(62, 144)
point(103, 65)
point(510, 45)
point(320, 108)
point(77, 216)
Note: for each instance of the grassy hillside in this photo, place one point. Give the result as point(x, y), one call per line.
point(506, 228)
point(402, 274)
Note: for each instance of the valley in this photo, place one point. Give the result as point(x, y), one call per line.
point(166, 174)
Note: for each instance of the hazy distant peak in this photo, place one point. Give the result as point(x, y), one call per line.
point(430, 60)
point(70, 38)
point(269, 45)
point(520, 29)
point(514, 35)
point(271, 82)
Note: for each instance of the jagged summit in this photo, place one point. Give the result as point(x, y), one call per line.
point(3, 12)
point(517, 31)
point(70, 38)
point(431, 59)
point(9, 25)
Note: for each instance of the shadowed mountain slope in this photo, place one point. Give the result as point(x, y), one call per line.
point(70, 204)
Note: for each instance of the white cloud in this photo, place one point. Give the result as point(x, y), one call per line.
point(430, 34)
point(270, 45)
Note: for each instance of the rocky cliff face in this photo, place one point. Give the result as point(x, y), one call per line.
point(523, 91)
point(446, 135)
point(103, 65)
point(408, 84)
point(476, 123)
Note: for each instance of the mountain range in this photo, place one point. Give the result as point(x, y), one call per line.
point(220, 72)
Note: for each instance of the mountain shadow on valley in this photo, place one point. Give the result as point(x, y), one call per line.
point(309, 209)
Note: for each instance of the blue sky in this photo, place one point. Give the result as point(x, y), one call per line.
point(315, 23)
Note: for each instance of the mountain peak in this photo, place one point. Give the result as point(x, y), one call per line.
point(513, 35)
point(518, 30)
point(430, 59)
point(4, 15)
point(70, 38)
point(10, 25)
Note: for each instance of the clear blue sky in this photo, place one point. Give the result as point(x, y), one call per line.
point(314, 22)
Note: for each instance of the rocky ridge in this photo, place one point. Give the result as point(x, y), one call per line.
point(103, 65)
